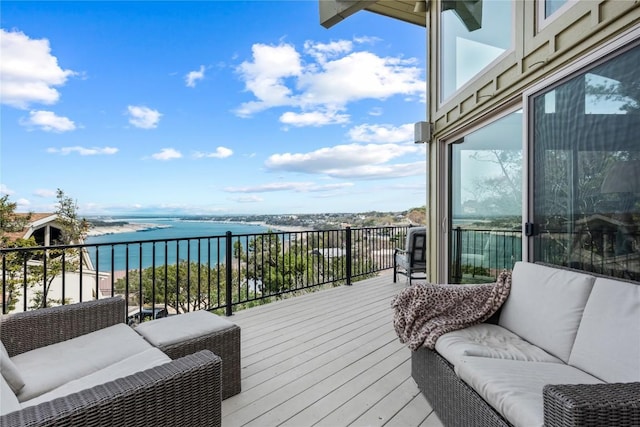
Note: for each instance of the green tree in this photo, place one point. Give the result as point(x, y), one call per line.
point(10, 221)
point(177, 286)
point(19, 274)
point(73, 230)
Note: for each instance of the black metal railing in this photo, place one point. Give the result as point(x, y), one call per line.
point(480, 255)
point(223, 272)
point(610, 251)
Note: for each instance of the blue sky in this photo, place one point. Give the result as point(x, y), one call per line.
point(209, 107)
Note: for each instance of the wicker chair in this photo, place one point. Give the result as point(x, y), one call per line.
point(185, 391)
point(411, 259)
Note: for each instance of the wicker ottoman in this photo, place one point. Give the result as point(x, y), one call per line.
point(184, 334)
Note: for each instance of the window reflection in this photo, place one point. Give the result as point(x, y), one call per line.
point(552, 6)
point(586, 178)
point(486, 201)
point(474, 33)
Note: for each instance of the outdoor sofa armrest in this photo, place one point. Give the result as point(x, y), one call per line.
point(612, 404)
point(397, 251)
point(185, 391)
point(22, 332)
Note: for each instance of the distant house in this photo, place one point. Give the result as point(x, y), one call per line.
point(73, 287)
point(329, 253)
point(42, 227)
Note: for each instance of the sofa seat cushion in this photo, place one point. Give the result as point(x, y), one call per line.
point(8, 400)
point(514, 388)
point(545, 306)
point(168, 331)
point(488, 340)
point(46, 368)
point(608, 341)
point(138, 362)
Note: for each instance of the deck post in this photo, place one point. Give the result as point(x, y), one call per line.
point(228, 259)
point(348, 261)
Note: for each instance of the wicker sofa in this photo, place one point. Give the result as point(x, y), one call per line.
point(80, 364)
point(563, 351)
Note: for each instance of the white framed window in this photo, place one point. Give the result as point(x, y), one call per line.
point(549, 10)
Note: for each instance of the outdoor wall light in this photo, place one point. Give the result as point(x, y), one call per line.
point(422, 132)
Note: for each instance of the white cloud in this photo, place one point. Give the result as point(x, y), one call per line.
point(326, 79)
point(29, 72)
point(333, 159)
point(220, 153)
point(265, 76)
point(48, 121)
point(167, 154)
point(193, 76)
point(360, 75)
point(143, 117)
point(248, 199)
point(322, 51)
point(375, 111)
point(382, 133)
point(22, 204)
point(299, 187)
point(44, 193)
point(313, 118)
point(398, 170)
point(83, 151)
point(6, 190)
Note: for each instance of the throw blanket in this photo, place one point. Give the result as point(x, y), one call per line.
point(424, 312)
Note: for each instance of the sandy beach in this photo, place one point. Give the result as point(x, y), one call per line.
point(284, 228)
point(126, 228)
point(133, 227)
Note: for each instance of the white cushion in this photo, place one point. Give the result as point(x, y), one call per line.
point(8, 400)
point(10, 371)
point(514, 388)
point(608, 341)
point(138, 362)
point(46, 368)
point(488, 340)
point(545, 306)
point(174, 329)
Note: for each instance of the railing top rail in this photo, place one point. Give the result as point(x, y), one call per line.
point(180, 239)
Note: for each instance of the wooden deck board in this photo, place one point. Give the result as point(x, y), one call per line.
point(328, 358)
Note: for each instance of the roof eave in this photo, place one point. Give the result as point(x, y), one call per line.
point(334, 11)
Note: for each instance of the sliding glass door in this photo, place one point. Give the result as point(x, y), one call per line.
point(485, 201)
point(585, 165)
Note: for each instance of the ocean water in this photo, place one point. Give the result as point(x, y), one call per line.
point(203, 242)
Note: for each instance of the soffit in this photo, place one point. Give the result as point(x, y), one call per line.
point(334, 11)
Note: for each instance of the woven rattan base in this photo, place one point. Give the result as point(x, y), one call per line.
point(456, 404)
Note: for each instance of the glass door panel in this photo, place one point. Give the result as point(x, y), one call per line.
point(485, 208)
point(586, 170)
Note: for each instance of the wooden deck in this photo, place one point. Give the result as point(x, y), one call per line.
point(329, 358)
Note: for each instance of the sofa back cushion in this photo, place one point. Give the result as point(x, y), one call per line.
point(545, 306)
point(10, 371)
point(608, 341)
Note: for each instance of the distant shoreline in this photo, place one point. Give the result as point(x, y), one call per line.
point(132, 227)
point(103, 230)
